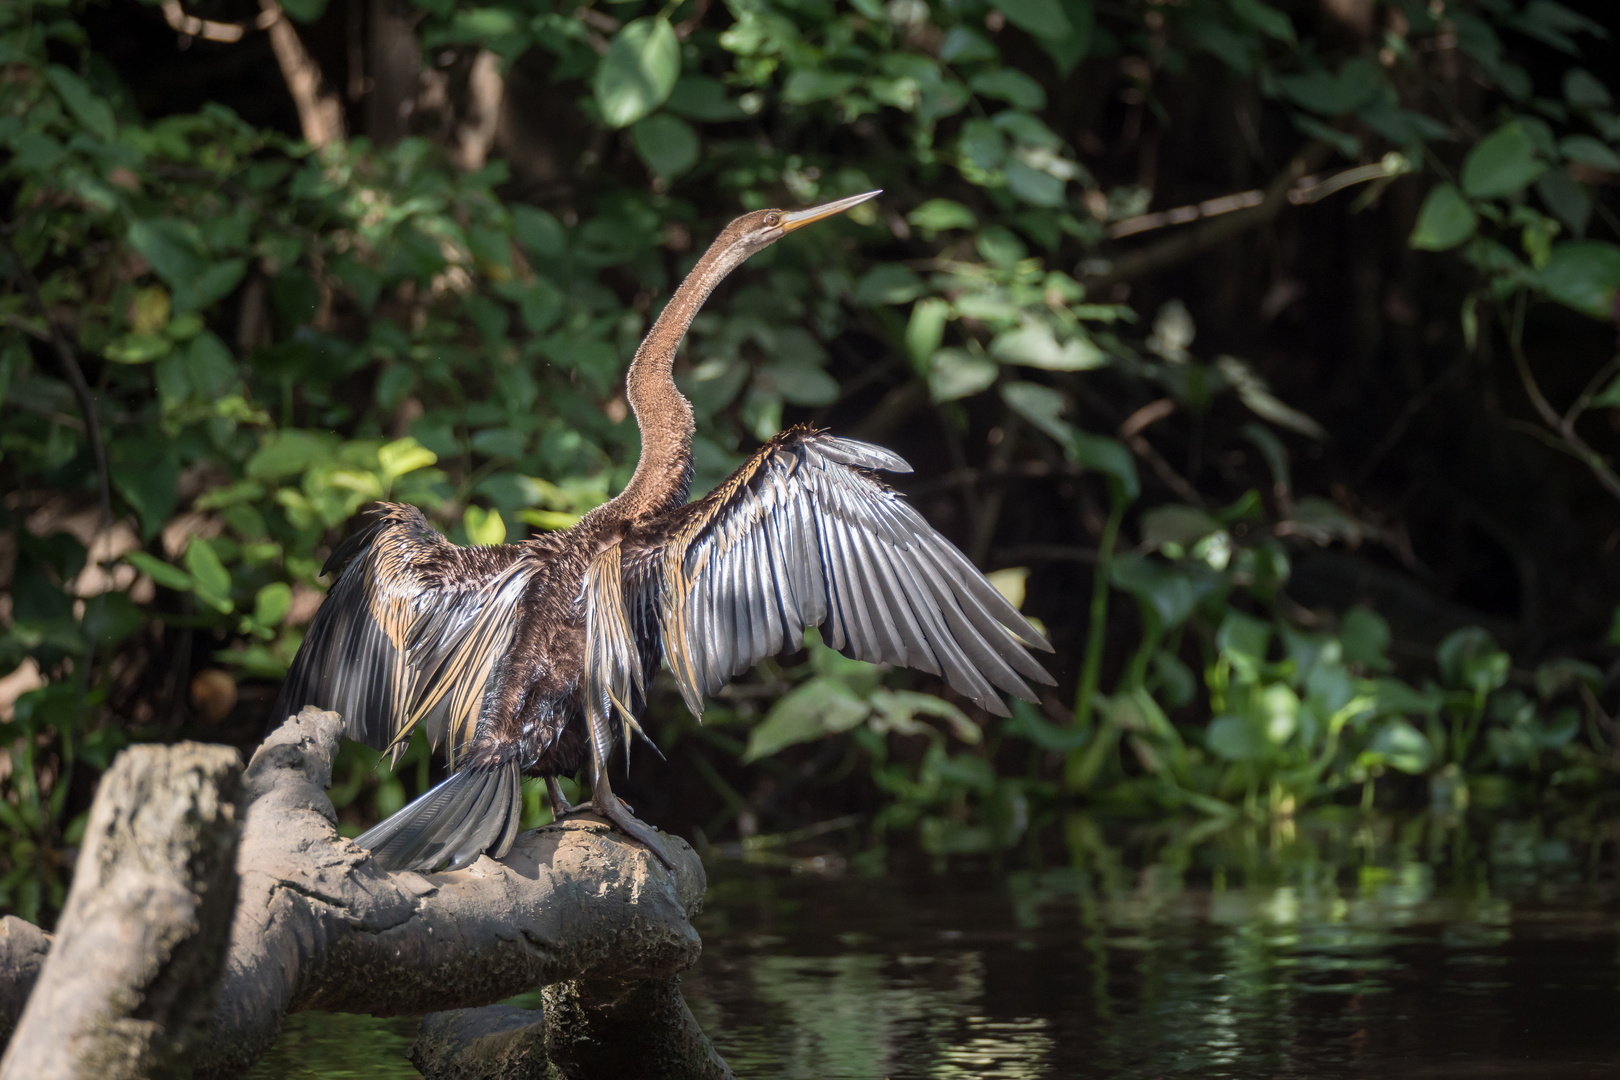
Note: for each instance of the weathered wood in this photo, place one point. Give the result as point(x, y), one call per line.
point(319, 927)
point(629, 1030)
point(140, 943)
point(22, 953)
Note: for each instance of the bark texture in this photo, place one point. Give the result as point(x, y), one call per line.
point(319, 927)
point(141, 939)
point(307, 922)
point(22, 953)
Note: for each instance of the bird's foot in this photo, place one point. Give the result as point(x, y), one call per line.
point(560, 806)
point(618, 811)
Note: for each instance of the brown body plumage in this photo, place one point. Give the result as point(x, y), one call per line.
point(518, 659)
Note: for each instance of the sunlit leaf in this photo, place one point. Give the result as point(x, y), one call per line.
point(638, 72)
point(1041, 18)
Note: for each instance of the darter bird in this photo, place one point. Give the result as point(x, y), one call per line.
point(528, 659)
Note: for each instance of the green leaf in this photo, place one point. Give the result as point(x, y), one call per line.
point(305, 11)
point(272, 603)
point(823, 706)
point(1589, 151)
point(1182, 526)
point(666, 144)
point(402, 456)
point(1039, 18)
point(889, 283)
point(1502, 163)
point(1035, 186)
point(1171, 593)
point(539, 231)
point(289, 453)
point(799, 383)
point(1265, 18)
point(1566, 198)
point(1033, 344)
point(1583, 90)
point(1402, 747)
point(698, 97)
point(1110, 457)
point(807, 86)
point(938, 215)
point(1334, 94)
point(1237, 738)
point(925, 330)
point(1469, 660)
point(957, 373)
point(137, 348)
point(1582, 274)
point(1011, 86)
point(639, 71)
point(964, 46)
point(210, 580)
point(172, 248)
point(484, 527)
point(88, 109)
point(1444, 221)
point(166, 574)
point(1364, 637)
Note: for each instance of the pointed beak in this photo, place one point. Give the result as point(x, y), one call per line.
point(798, 219)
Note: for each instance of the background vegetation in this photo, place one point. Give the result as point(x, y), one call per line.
point(1265, 351)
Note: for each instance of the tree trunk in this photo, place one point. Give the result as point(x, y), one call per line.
point(141, 940)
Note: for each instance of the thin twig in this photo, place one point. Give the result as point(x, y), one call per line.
point(1563, 428)
point(70, 364)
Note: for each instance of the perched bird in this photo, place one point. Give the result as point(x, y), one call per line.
point(520, 658)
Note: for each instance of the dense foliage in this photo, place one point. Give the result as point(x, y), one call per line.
point(1167, 301)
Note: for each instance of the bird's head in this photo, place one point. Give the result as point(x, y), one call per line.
point(762, 228)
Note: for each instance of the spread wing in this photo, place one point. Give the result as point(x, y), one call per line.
point(803, 535)
point(410, 633)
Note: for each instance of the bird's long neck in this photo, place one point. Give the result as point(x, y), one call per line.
point(663, 473)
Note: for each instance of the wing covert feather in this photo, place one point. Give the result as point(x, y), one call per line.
point(410, 633)
point(803, 535)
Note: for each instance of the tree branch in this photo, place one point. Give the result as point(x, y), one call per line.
point(320, 115)
point(1213, 233)
point(1563, 427)
point(317, 926)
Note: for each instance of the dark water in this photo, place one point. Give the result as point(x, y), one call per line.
point(1424, 951)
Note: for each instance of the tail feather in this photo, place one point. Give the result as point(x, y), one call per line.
point(475, 810)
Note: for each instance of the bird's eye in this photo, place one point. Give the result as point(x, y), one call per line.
point(773, 218)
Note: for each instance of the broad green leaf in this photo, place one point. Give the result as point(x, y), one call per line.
point(938, 215)
point(1402, 746)
point(799, 383)
point(666, 144)
point(1035, 186)
point(1170, 592)
point(1237, 738)
point(210, 580)
point(539, 232)
point(1043, 407)
point(137, 348)
point(889, 283)
point(964, 46)
point(823, 706)
point(305, 11)
point(289, 453)
point(166, 574)
point(1173, 524)
point(1589, 151)
point(925, 330)
point(1470, 660)
point(88, 109)
point(272, 603)
point(484, 527)
point(1444, 221)
point(1033, 344)
point(638, 72)
point(402, 456)
point(1334, 93)
point(1068, 51)
point(1583, 90)
point(1502, 163)
point(1011, 86)
point(1265, 18)
point(806, 86)
point(172, 248)
point(698, 97)
point(1040, 18)
point(1244, 635)
point(1567, 198)
point(1108, 456)
point(1365, 638)
point(1582, 274)
point(957, 373)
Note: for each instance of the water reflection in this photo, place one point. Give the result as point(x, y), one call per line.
point(1418, 950)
